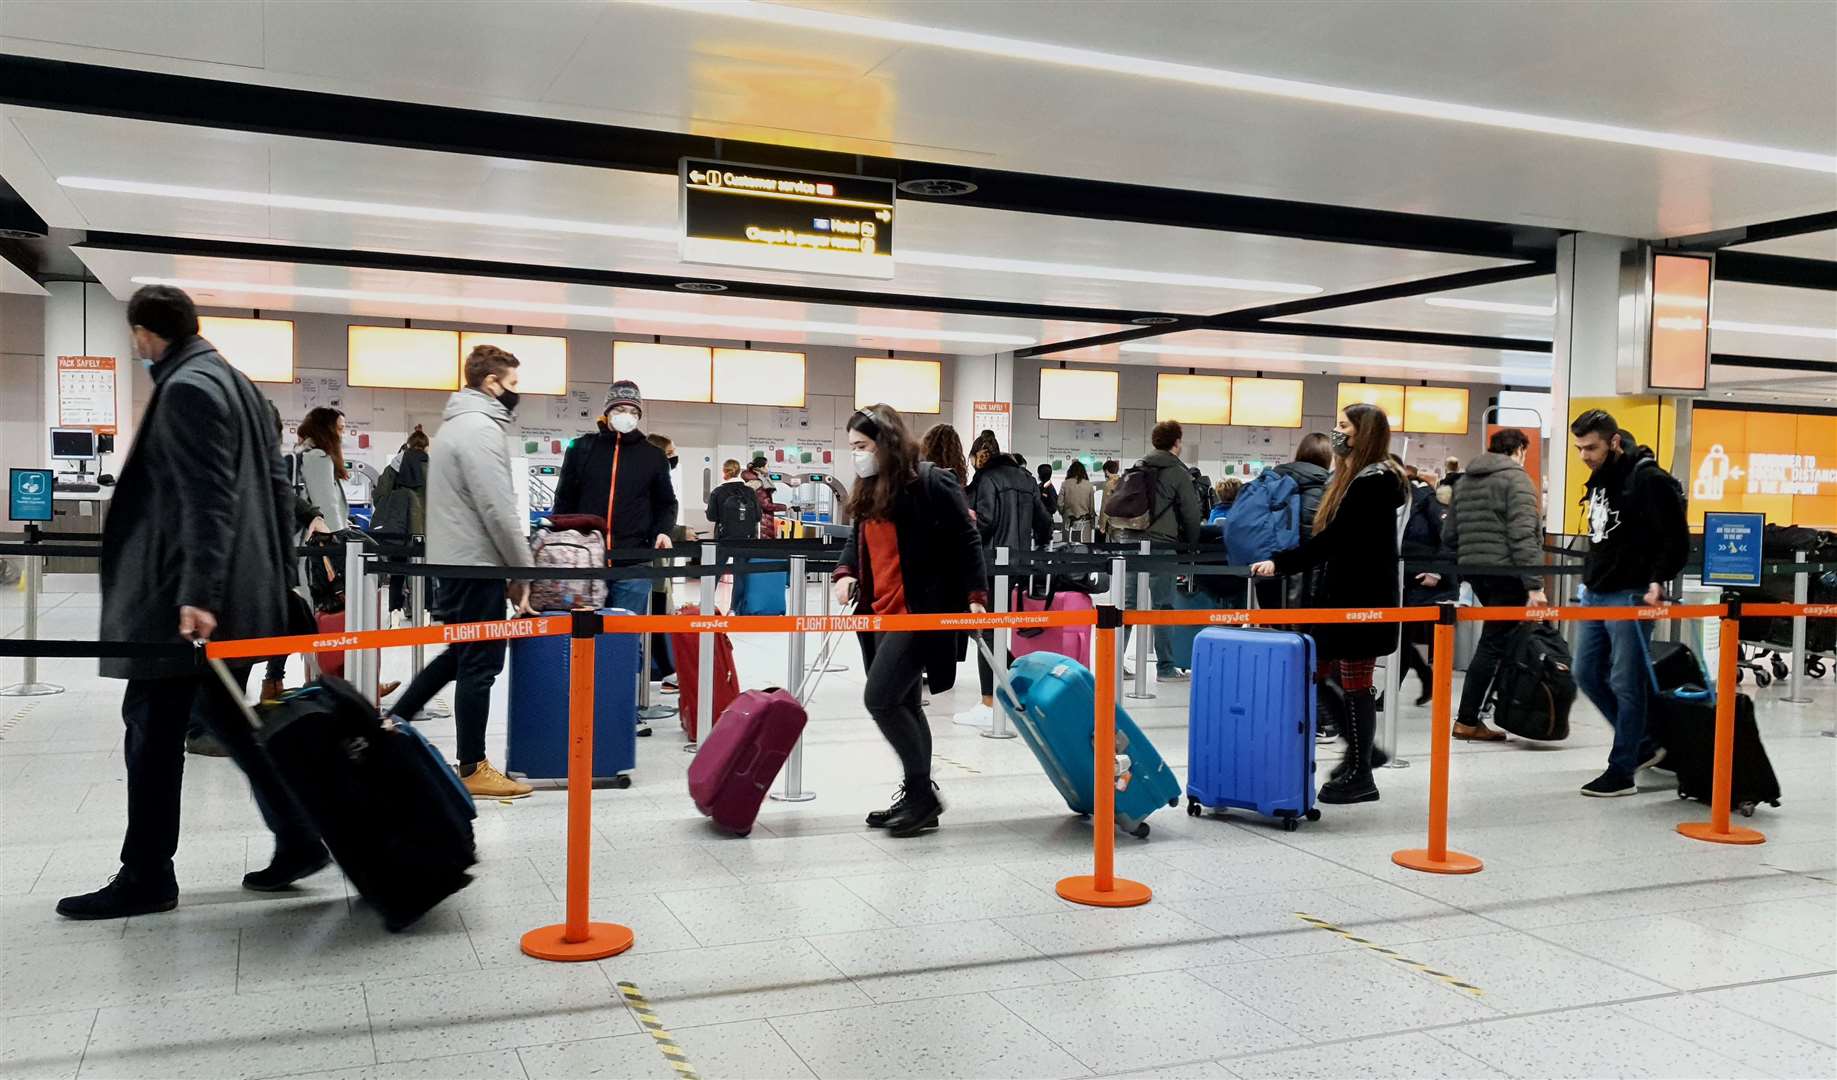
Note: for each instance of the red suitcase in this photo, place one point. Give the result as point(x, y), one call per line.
point(686, 648)
point(331, 663)
point(740, 758)
point(1072, 641)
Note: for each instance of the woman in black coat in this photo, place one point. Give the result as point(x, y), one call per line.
point(913, 551)
point(1354, 538)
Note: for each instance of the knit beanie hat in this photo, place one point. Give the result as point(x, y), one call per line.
point(623, 392)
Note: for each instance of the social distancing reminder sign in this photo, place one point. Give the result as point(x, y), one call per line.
point(1781, 464)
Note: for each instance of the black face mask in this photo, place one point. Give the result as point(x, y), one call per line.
point(672, 459)
point(509, 399)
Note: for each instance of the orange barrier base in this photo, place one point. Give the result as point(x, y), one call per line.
point(603, 939)
point(1420, 859)
point(1736, 834)
point(1123, 893)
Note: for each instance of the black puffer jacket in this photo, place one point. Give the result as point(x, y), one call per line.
point(1422, 539)
point(1358, 549)
point(644, 503)
point(1493, 519)
point(1009, 510)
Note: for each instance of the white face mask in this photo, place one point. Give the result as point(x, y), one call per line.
point(866, 464)
point(623, 422)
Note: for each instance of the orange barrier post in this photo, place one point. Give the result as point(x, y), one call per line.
point(1717, 829)
point(577, 938)
point(1102, 888)
point(1436, 858)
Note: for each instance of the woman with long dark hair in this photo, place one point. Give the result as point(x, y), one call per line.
point(1354, 536)
point(913, 550)
point(943, 447)
point(322, 467)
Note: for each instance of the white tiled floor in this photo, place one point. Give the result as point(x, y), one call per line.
point(1602, 943)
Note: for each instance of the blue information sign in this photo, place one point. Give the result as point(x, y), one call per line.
point(29, 497)
point(1732, 548)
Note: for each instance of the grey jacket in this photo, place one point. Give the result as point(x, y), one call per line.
point(471, 503)
point(1493, 517)
point(1174, 516)
point(320, 479)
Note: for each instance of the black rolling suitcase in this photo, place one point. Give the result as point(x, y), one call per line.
point(393, 813)
point(1681, 717)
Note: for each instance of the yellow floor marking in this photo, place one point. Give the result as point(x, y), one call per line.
point(666, 1043)
point(1322, 924)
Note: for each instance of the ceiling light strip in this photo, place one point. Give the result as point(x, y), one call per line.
point(1822, 333)
point(570, 226)
point(1492, 305)
point(598, 311)
point(1008, 48)
point(1279, 356)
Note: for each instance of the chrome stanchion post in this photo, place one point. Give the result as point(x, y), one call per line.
point(30, 686)
point(1002, 601)
point(1119, 587)
point(794, 678)
point(417, 611)
point(1801, 592)
point(1143, 602)
point(832, 665)
point(360, 665)
point(646, 649)
point(704, 649)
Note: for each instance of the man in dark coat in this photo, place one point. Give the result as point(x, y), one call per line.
point(195, 548)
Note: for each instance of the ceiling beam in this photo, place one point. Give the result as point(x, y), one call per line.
point(611, 279)
point(1465, 279)
point(1772, 363)
point(1382, 333)
point(1753, 234)
point(1754, 268)
point(179, 99)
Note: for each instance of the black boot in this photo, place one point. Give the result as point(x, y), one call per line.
point(290, 864)
point(1355, 784)
point(877, 819)
point(920, 811)
point(125, 894)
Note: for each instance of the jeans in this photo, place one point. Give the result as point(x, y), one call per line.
point(155, 712)
point(475, 664)
point(1613, 670)
point(895, 671)
point(1491, 592)
point(1160, 597)
point(632, 594)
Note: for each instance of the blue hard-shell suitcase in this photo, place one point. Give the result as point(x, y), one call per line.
point(1056, 696)
point(1250, 724)
point(537, 735)
point(760, 594)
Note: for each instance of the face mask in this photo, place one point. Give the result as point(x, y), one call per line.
point(509, 399)
point(1340, 443)
point(866, 464)
point(672, 459)
point(623, 422)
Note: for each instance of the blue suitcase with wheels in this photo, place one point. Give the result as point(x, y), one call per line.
point(760, 594)
point(1250, 724)
point(1053, 700)
point(537, 734)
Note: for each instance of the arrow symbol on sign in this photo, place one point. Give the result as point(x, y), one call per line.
point(1737, 472)
point(697, 176)
point(884, 215)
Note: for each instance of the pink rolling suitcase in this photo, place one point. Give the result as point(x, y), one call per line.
point(1071, 641)
point(737, 761)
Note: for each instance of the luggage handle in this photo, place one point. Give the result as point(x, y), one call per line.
point(229, 686)
point(825, 651)
point(1004, 687)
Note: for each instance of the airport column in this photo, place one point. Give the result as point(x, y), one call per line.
point(83, 320)
point(982, 396)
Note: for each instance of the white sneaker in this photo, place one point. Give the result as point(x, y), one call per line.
point(979, 717)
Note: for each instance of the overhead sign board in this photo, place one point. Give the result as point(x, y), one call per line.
point(1732, 548)
point(786, 219)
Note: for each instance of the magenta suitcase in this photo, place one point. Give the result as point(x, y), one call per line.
point(1071, 641)
point(736, 762)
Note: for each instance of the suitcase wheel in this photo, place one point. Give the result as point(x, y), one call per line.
point(1290, 824)
point(1780, 670)
point(1140, 832)
point(1193, 809)
point(623, 780)
point(1175, 801)
point(1314, 814)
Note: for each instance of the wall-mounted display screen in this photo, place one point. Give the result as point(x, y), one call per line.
point(757, 377)
point(262, 349)
point(1680, 322)
point(542, 362)
point(1193, 399)
point(1266, 402)
point(1781, 464)
point(914, 386)
point(1384, 395)
point(1435, 410)
point(399, 358)
point(1077, 394)
point(665, 372)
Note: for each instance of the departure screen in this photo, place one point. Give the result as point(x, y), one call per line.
point(786, 219)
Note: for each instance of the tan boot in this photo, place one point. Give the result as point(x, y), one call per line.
point(272, 689)
point(1478, 733)
point(387, 688)
point(486, 782)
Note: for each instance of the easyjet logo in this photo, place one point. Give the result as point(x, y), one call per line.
point(1820, 610)
point(1650, 612)
point(1545, 613)
point(334, 643)
point(1365, 616)
point(1230, 618)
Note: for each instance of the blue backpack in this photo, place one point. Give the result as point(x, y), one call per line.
point(1265, 519)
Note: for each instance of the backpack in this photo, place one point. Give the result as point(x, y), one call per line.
point(571, 549)
point(398, 511)
point(1265, 519)
point(739, 515)
point(1535, 685)
point(1131, 505)
point(1645, 463)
